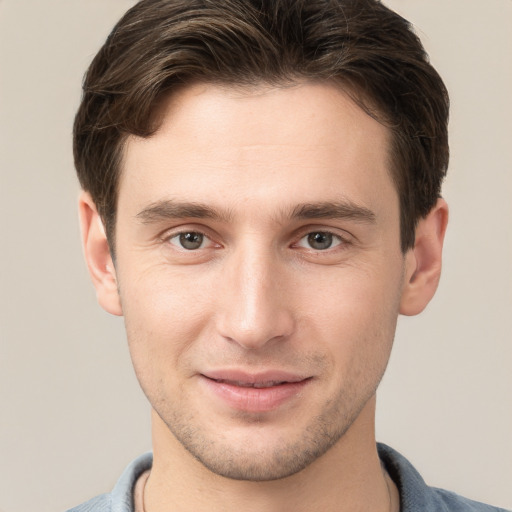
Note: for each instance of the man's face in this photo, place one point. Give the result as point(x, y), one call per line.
point(260, 272)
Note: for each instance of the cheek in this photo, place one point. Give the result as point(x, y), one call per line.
point(164, 315)
point(355, 315)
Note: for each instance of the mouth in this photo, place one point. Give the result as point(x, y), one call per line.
point(257, 385)
point(261, 392)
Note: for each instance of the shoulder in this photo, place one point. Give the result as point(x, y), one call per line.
point(100, 503)
point(417, 496)
point(121, 497)
point(453, 501)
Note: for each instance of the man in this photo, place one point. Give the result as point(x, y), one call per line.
point(261, 199)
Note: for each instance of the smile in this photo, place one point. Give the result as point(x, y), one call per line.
point(253, 393)
point(258, 385)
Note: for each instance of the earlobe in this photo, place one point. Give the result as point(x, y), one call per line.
point(423, 262)
point(97, 255)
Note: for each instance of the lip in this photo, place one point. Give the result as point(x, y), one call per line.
point(254, 392)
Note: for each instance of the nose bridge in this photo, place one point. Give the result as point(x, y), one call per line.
point(255, 308)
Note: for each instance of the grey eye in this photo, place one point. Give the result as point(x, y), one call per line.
point(190, 241)
point(320, 240)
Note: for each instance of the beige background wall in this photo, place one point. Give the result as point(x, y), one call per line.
point(71, 413)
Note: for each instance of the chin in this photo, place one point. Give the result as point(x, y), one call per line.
point(258, 452)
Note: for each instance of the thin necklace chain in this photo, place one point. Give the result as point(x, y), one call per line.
point(387, 479)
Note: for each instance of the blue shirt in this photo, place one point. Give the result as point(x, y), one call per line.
point(415, 494)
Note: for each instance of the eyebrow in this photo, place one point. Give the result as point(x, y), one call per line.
point(334, 210)
point(170, 209)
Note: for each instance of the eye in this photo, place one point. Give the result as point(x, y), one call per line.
point(190, 240)
point(320, 240)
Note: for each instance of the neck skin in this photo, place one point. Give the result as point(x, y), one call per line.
point(349, 477)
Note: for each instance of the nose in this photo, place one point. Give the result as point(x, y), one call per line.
point(253, 295)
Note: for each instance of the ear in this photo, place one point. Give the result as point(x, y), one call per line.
point(97, 256)
point(423, 261)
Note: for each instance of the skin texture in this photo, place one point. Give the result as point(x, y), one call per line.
point(262, 181)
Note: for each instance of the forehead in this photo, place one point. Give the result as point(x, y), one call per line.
point(258, 146)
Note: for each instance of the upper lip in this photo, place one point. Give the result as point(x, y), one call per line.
point(246, 378)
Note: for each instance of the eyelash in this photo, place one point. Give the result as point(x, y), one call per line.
point(336, 240)
point(187, 232)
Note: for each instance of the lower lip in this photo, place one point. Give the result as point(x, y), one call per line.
point(255, 399)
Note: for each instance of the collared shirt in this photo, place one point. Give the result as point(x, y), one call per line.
point(415, 494)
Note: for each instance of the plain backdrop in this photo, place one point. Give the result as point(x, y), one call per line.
point(71, 413)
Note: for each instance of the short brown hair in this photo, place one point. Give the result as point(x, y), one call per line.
point(368, 49)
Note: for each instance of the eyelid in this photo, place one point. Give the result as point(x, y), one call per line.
point(204, 242)
point(171, 233)
point(341, 234)
point(339, 240)
point(344, 237)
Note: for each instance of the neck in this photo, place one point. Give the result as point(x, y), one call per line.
point(348, 477)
